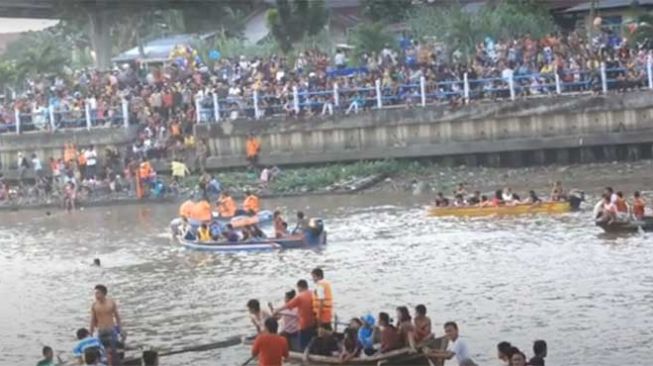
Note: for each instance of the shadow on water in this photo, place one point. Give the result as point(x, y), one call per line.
point(515, 279)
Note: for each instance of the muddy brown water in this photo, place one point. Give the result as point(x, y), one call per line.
point(518, 279)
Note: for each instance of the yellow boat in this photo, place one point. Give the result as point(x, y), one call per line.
point(518, 209)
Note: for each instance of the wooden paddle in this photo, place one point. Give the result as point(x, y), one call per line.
point(249, 360)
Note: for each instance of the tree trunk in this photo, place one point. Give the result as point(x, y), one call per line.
point(100, 32)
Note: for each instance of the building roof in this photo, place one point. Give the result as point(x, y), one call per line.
point(608, 4)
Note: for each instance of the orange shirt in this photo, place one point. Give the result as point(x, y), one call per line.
point(251, 203)
point(186, 209)
point(201, 211)
point(271, 349)
point(253, 147)
point(304, 304)
point(639, 208)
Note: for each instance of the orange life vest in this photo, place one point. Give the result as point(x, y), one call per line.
point(323, 286)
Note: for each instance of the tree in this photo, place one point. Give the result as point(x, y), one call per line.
point(370, 37)
point(290, 21)
point(386, 10)
point(37, 53)
point(461, 30)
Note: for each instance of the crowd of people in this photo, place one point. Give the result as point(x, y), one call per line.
point(304, 324)
point(502, 197)
point(166, 98)
point(226, 221)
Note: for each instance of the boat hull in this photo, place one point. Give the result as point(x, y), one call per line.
point(519, 209)
point(645, 225)
point(293, 242)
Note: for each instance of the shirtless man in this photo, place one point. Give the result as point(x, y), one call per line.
point(103, 313)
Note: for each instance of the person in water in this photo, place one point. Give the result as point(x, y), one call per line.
point(504, 352)
point(106, 319)
point(540, 351)
point(48, 357)
point(85, 343)
point(257, 315)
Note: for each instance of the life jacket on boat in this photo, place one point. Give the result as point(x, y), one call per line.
point(323, 289)
point(251, 204)
point(204, 234)
point(186, 209)
point(201, 211)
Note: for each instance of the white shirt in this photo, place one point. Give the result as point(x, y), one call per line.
point(459, 347)
point(37, 164)
point(340, 58)
point(506, 74)
point(91, 157)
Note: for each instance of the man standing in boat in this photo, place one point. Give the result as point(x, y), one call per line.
point(106, 319)
point(303, 302)
point(322, 300)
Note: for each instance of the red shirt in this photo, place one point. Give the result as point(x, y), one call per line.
point(271, 349)
point(304, 304)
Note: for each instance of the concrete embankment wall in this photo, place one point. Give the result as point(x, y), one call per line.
point(535, 131)
point(46, 144)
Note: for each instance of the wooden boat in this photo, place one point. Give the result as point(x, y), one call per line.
point(518, 209)
point(634, 226)
point(398, 357)
point(309, 239)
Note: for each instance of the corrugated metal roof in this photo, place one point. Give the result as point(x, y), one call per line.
point(608, 4)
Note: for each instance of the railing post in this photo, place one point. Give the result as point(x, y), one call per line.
point(422, 90)
point(466, 88)
point(125, 113)
point(51, 112)
point(379, 97)
point(87, 110)
point(336, 95)
point(198, 109)
point(17, 116)
point(256, 112)
point(216, 107)
point(558, 86)
point(295, 99)
point(511, 85)
point(649, 70)
point(604, 79)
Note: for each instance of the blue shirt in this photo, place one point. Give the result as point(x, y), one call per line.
point(86, 343)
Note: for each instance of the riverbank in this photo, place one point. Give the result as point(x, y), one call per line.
point(416, 177)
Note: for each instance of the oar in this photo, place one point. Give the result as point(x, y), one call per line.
point(248, 361)
point(204, 347)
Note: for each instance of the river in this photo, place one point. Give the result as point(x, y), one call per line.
point(556, 278)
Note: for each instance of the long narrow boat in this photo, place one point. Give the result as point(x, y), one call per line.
point(309, 239)
point(518, 209)
point(634, 226)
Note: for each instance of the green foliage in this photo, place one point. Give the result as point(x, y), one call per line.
point(386, 10)
point(292, 20)
point(462, 31)
point(232, 47)
point(37, 53)
point(7, 74)
point(370, 37)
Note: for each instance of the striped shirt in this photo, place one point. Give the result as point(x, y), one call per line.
point(86, 343)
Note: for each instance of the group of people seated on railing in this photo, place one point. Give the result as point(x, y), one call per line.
point(501, 197)
point(170, 93)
